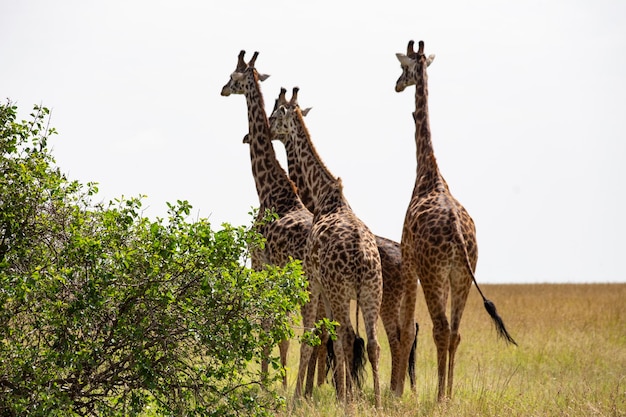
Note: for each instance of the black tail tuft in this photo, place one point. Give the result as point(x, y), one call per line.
point(502, 332)
point(357, 369)
point(411, 369)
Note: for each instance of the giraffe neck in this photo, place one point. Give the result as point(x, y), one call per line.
point(428, 176)
point(297, 176)
point(311, 176)
point(274, 188)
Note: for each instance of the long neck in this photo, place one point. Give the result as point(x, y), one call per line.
point(428, 175)
point(297, 175)
point(275, 189)
point(312, 177)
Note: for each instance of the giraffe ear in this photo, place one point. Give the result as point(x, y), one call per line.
point(430, 59)
point(263, 77)
point(404, 60)
point(246, 139)
point(306, 111)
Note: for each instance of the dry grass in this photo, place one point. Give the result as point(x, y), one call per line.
point(571, 359)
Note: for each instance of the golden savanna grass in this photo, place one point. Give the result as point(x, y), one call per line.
point(571, 359)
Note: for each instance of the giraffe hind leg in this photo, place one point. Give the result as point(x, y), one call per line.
point(455, 339)
point(391, 321)
point(460, 285)
point(310, 373)
point(370, 317)
point(308, 311)
point(407, 329)
point(436, 300)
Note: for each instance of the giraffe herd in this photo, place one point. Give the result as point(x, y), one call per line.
point(342, 259)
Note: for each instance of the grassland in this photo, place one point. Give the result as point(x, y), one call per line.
point(571, 359)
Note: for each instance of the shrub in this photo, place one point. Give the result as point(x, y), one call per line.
point(106, 312)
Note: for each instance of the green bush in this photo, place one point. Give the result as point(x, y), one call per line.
point(106, 312)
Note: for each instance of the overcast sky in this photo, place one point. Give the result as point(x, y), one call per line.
point(527, 105)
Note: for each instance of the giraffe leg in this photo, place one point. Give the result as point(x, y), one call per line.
point(316, 355)
point(436, 300)
point(441, 335)
point(343, 349)
point(308, 311)
point(339, 373)
point(373, 349)
point(455, 339)
point(407, 326)
point(322, 358)
point(348, 342)
point(390, 318)
point(461, 285)
point(310, 373)
point(283, 347)
point(264, 362)
point(267, 351)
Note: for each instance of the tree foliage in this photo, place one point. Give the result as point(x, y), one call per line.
point(106, 312)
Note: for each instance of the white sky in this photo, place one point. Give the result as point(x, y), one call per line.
point(527, 103)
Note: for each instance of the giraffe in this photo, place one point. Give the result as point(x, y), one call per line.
point(286, 236)
point(343, 263)
point(438, 238)
point(308, 175)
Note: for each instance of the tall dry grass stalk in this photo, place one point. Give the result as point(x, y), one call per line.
point(571, 359)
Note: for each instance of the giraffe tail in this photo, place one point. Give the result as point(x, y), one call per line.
point(502, 332)
point(489, 305)
point(412, 355)
point(357, 367)
point(493, 312)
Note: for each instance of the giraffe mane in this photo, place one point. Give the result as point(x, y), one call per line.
point(300, 117)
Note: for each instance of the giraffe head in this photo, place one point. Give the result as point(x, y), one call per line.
point(243, 73)
point(283, 118)
point(413, 65)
